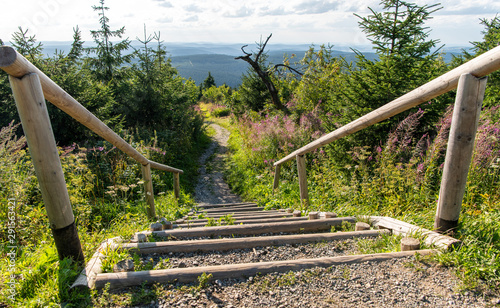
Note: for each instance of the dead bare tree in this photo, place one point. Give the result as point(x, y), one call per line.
point(264, 74)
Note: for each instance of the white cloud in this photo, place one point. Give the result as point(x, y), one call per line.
point(241, 12)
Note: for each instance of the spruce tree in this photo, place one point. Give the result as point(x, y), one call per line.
point(406, 60)
point(109, 56)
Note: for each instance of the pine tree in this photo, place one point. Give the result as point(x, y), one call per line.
point(77, 46)
point(27, 45)
point(209, 81)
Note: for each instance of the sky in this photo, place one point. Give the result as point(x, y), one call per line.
point(236, 21)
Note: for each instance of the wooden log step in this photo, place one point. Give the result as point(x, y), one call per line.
point(247, 217)
point(247, 242)
point(207, 206)
point(250, 205)
point(253, 229)
point(233, 210)
point(245, 221)
point(191, 274)
point(243, 214)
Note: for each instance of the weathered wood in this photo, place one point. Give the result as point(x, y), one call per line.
point(35, 120)
point(291, 227)
point(262, 214)
point(242, 218)
point(410, 243)
point(86, 279)
point(177, 187)
point(361, 226)
point(211, 206)
point(330, 215)
point(302, 174)
point(245, 221)
point(313, 215)
point(186, 275)
point(234, 209)
point(478, 67)
point(406, 229)
point(470, 94)
point(297, 213)
point(17, 66)
point(243, 243)
point(277, 171)
point(148, 191)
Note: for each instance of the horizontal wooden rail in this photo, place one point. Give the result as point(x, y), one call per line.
point(478, 67)
point(16, 65)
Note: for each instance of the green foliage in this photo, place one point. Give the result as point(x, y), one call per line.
point(109, 59)
point(405, 61)
point(27, 45)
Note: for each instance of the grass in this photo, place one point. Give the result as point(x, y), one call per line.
point(398, 179)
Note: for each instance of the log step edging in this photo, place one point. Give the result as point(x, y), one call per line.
point(191, 274)
point(253, 229)
point(210, 206)
point(245, 221)
point(242, 243)
point(400, 227)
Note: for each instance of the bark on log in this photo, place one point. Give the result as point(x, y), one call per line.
point(186, 275)
point(292, 227)
point(244, 243)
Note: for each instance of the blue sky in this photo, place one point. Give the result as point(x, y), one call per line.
point(235, 21)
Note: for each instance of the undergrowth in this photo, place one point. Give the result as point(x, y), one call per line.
point(106, 192)
point(399, 178)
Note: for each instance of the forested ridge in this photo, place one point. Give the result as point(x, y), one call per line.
point(392, 168)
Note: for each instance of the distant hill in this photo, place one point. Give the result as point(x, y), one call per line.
point(195, 60)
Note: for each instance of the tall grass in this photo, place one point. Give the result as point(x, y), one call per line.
point(106, 193)
point(399, 178)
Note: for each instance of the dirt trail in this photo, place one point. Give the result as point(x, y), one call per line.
point(211, 187)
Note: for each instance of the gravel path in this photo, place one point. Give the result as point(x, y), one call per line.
point(404, 282)
point(211, 187)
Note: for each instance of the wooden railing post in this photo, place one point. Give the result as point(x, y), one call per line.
point(470, 94)
point(301, 169)
point(177, 185)
point(276, 183)
point(32, 110)
point(148, 190)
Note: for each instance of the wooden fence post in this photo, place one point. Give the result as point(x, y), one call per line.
point(148, 190)
point(470, 94)
point(276, 182)
point(32, 110)
point(177, 186)
point(301, 168)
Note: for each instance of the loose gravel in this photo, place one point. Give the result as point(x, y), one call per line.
point(406, 282)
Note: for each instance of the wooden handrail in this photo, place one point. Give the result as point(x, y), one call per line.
point(478, 67)
point(18, 66)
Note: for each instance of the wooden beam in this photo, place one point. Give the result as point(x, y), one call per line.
point(191, 274)
point(234, 209)
point(247, 217)
point(210, 206)
point(148, 191)
point(480, 66)
point(292, 227)
point(177, 187)
point(86, 279)
point(17, 66)
point(406, 229)
point(35, 119)
point(276, 183)
point(302, 174)
point(245, 221)
point(470, 94)
point(243, 243)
